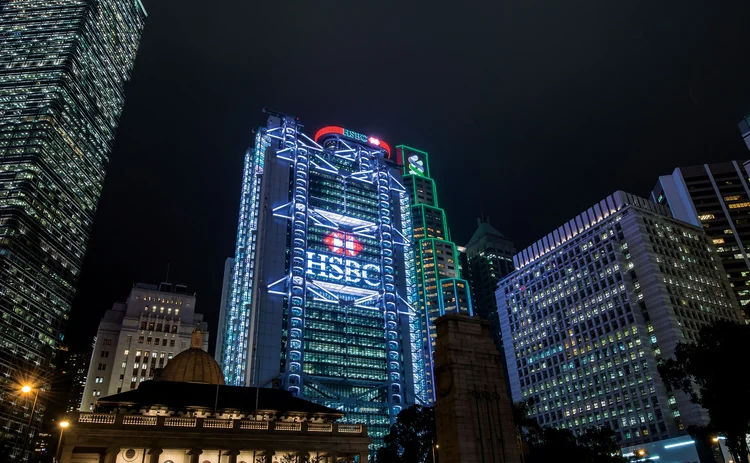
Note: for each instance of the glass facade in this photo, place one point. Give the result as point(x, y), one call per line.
point(63, 66)
point(320, 287)
point(594, 306)
point(440, 288)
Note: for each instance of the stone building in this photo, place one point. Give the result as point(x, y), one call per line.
point(473, 411)
point(188, 415)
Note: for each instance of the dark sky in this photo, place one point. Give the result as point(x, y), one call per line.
point(531, 111)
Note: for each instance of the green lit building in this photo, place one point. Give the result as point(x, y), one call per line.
point(440, 288)
point(63, 67)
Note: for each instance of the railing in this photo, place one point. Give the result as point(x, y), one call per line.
point(180, 422)
point(98, 418)
point(320, 427)
point(350, 428)
point(254, 425)
point(213, 423)
point(222, 424)
point(138, 420)
point(282, 426)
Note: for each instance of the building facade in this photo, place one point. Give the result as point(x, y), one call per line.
point(488, 257)
point(319, 286)
point(139, 336)
point(224, 310)
point(63, 68)
point(439, 287)
point(187, 414)
point(591, 309)
point(715, 197)
point(76, 368)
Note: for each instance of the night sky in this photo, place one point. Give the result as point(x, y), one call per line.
point(531, 112)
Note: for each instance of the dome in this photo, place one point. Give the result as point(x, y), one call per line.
point(193, 365)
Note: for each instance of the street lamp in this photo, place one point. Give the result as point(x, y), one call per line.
point(63, 424)
point(26, 389)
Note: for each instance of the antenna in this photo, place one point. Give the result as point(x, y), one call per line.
point(167, 279)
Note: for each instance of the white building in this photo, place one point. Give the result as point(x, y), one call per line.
point(138, 336)
point(226, 298)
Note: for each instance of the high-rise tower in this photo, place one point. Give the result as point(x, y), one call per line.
point(715, 197)
point(63, 67)
point(319, 285)
point(440, 288)
point(592, 309)
point(488, 257)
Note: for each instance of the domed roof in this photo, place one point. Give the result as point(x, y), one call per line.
point(193, 365)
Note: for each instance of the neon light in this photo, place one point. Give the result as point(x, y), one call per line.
point(680, 444)
point(334, 268)
point(351, 134)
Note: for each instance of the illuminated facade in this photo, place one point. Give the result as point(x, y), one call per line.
point(439, 287)
point(63, 67)
point(593, 307)
point(319, 291)
point(715, 197)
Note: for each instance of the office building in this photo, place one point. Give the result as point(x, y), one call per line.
point(226, 297)
point(744, 126)
point(63, 68)
point(439, 287)
point(319, 285)
point(488, 257)
point(139, 336)
point(594, 306)
point(75, 369)
point(716, 198)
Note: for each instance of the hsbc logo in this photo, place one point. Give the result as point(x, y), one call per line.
point(343, 243)
point(335, 268)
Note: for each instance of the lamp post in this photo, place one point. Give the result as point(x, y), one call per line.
point(26, 389)
point(63, 424)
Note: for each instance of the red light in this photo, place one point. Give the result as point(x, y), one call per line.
point(343, 243)
point(327, 130)
point(374, 141)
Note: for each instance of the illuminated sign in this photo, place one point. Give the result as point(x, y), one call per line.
point(343, 243)
point(416, 165)
point(347, 271)
point(356, 136)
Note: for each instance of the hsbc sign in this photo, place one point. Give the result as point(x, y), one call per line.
point(336, 268)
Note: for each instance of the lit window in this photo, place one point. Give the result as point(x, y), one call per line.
point(739, 205)
point(718, 240)
point(731, 198)
point(708, 216)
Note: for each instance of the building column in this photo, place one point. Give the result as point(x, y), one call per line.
point(232, 455)
point(154, 455)
point(194, 454)
point(67, 453)
point(110, 455)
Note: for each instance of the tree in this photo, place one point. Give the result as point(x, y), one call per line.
point(411, 437)
point(709, 372)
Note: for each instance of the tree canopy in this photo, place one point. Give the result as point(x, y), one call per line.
point(710, 371)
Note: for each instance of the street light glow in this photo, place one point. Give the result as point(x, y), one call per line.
point(26, 389)
point(64, 424)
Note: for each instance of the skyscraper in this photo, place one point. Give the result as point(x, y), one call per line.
point(319, 285)
point(716, 198)
point(224, 310)
point(139, 336)
point(488, 257)
point(63, 66)
point(592, 308)
point(440, 288)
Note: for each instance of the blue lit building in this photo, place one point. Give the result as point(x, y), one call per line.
point(319, 288)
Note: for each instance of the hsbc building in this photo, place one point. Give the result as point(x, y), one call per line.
point(324, 285)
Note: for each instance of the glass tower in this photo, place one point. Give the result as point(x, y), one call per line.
point(319, 290)
point(63, 67)
point(440, 288)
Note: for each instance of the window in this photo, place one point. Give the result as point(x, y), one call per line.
point(739, 205)
point(127, 351)
point(718, 240)
point(140, 339)
point(105, 354)
point(171, 344)
point(156, 341)
point(107, 342)
point(731, 198)
point(148, 340)
point(708, 216)
point(129, 339)
point(102, 367)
